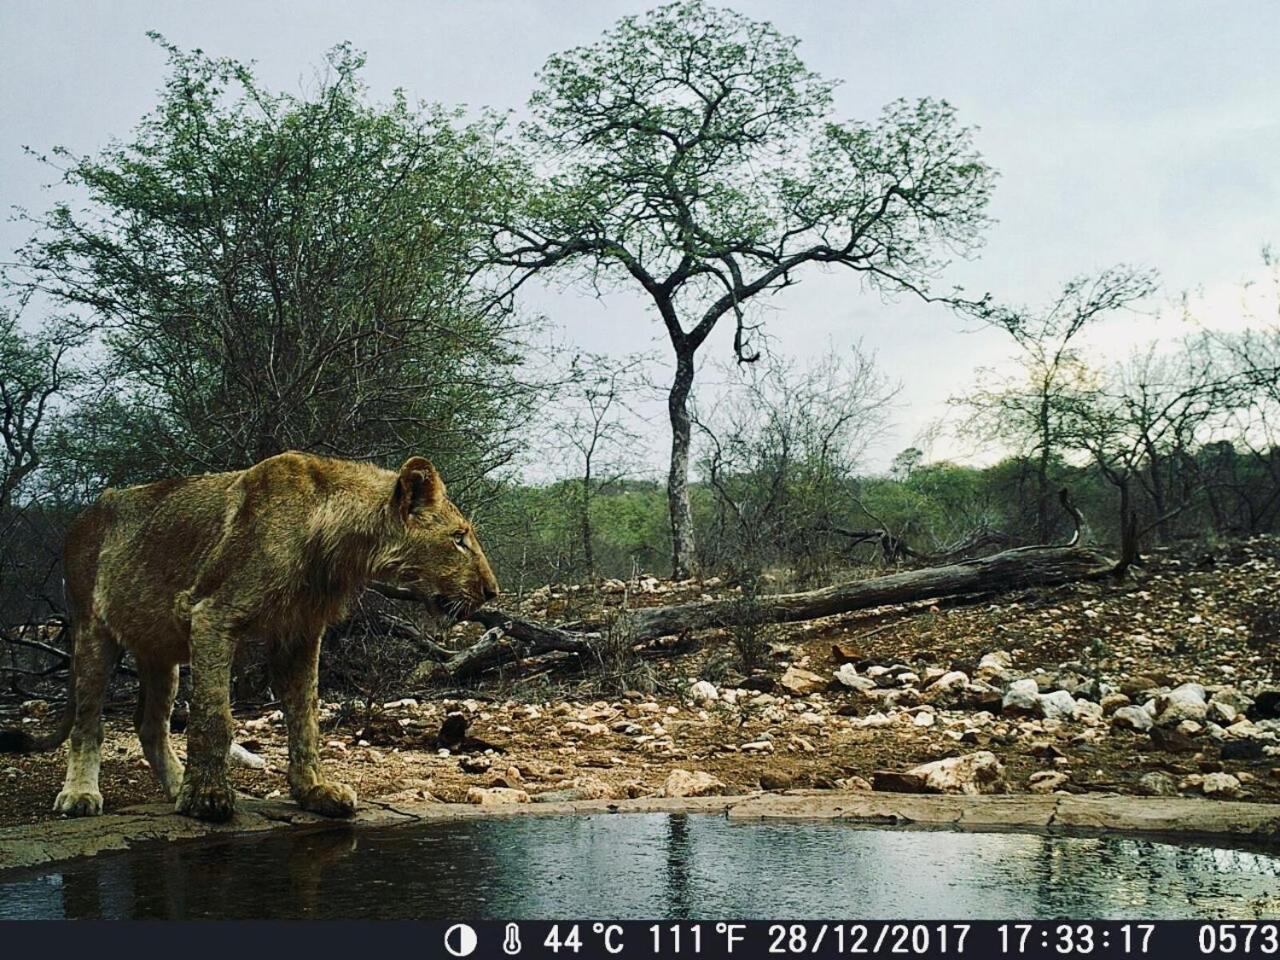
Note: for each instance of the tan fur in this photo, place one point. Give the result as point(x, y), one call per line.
point(184, 570)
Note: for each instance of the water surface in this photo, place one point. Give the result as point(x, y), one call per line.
point(639, 866)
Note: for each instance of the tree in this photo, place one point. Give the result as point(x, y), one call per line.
point(37, 377)
point(690, 152)
point(1144, 422)
point(270, 271)
point(589, 429)
point(781, 450)
point(34, 371)
point(1030, 412)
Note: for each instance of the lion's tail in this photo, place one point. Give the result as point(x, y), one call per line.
point(19, 741)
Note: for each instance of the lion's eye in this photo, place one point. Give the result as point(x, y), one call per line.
point(460, 540)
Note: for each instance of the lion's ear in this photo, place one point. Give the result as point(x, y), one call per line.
point(419, 485)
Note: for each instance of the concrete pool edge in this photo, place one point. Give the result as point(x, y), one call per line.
point(38, 844)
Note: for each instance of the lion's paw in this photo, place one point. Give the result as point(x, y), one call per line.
point(78, 802)
point(215, 802)
point(327, 799)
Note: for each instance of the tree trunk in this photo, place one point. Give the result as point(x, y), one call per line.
point(588, 554)
point(683, 560)
point(1042, 473)
point(509, 638)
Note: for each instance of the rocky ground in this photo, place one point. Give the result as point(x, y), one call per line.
point(1167, 684)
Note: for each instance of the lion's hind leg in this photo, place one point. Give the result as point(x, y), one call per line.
point(294, 671)
point(94, 661)
point(157, 686)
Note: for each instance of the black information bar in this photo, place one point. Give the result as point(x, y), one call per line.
point(627, 940)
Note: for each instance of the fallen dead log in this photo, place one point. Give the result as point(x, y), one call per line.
point(509, 638)
point(1015, 569)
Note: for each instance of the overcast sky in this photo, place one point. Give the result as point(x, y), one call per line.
point(1146, 132)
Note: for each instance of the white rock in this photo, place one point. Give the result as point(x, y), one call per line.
point(1088, 710)
point(1046, 781)
point(1220, 785)
point(496, 796)
point(848, 676)
point(698, 783)
point(1222, 712)
point(801, 683)
point(924, 718)
point(246, 759)
point(972, 774)
point(1131, 718)
point(1058, 705)
point(703, 692)
point(952, 680)
point(1023, 696)
point(1185, 702)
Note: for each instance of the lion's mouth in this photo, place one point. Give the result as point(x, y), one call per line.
point(450, 609)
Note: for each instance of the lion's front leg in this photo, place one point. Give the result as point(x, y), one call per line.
point(205, 793)
point(295, 667)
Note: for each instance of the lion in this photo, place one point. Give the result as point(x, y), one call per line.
point(184, 570)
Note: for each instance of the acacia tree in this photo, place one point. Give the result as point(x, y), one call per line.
point(270, 271)
point(1032, 411)
point(691, 152)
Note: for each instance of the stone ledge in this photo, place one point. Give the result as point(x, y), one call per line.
point(55, 840)
point(1188, 816)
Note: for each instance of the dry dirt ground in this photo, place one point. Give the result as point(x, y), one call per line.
point(1207, 618)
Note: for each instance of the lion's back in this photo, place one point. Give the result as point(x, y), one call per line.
point(135, 548)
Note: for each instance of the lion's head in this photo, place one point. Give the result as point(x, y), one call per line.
point(437, 555)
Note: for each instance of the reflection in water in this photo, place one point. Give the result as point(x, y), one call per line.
point(653, 866)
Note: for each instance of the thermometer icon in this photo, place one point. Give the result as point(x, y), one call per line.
point(511, 942)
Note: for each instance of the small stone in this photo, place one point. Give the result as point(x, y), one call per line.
point(757, 746)
point(1046, 781)
point(703, 692)
point(775, 780)
point(1171, 741)
point(245, 758)
point(698, 783)
point(849, 677)
point(1221, 785)
point(972, 774)
point(994, 665)
point(1157, 783)
point(1131, 718)
point(1223, 713)
point(1059, 705)
point(474, 764)
point(1113, 702)
point(952, 680)
point(1022, 698)
point(845, 653)
point(1185, 702)
point(801, 683)
point(898, 781)
point(496, 796)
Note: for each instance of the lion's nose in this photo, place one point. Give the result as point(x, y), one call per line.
point(490, 591)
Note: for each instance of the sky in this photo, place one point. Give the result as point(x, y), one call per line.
point(1138, 132)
